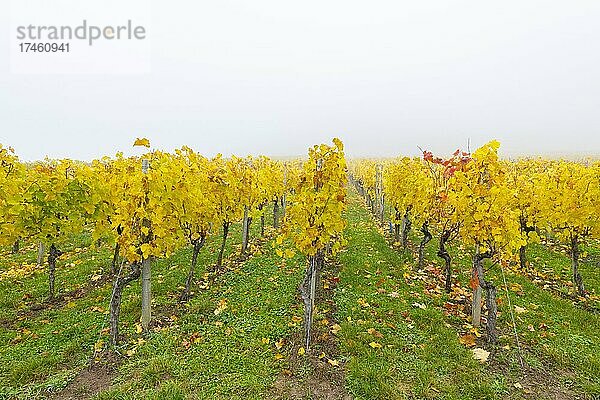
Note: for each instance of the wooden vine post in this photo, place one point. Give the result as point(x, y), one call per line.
point(379, 194)
point(285, 189)
point(146, 264)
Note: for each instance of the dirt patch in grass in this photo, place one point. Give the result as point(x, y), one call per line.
point(62, 299)
point(90, 381)
point(318, 374)
point(85, 385)
point(7, 324)
point(313, 387)
point(538, 383)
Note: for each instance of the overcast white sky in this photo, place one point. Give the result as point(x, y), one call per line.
point(276, 76)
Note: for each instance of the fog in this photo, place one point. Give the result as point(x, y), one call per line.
point(275, 77)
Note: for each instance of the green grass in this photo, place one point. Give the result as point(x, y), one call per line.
point(230, 359)
point(555, 262)
point(421, 357)
point(197, 353)
point(43, 351)
point(569, 346)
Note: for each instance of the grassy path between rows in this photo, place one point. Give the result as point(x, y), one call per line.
point(383, 301)
point(420, 356)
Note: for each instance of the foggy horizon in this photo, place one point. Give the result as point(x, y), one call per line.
point(269, 78)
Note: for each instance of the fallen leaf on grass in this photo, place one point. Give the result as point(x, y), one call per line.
point(375, 332)
point(98, 346)
point(221, 306)
point(375, 345)
point(515, 287)
point(520, 310)
point(362, 302)
point(335, 329)
point(481, 355)
point(475, 331)
point(468, 340)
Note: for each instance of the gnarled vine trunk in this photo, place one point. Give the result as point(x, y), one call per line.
point(115, 300)
point(522, 257)
point(53, 255)
point(198, 244)
point(490, 297)
point(115, 260)
point(262, 220)
point(406, 225)
point(444, 255)
point(522, 250)
point(397, 227)
point(426, 239)
point(577, 280)
point(275, 213)
point(308, 293)
point(15, 247)
point(223, 243)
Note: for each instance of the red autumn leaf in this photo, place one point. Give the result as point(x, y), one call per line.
point(474, 281)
